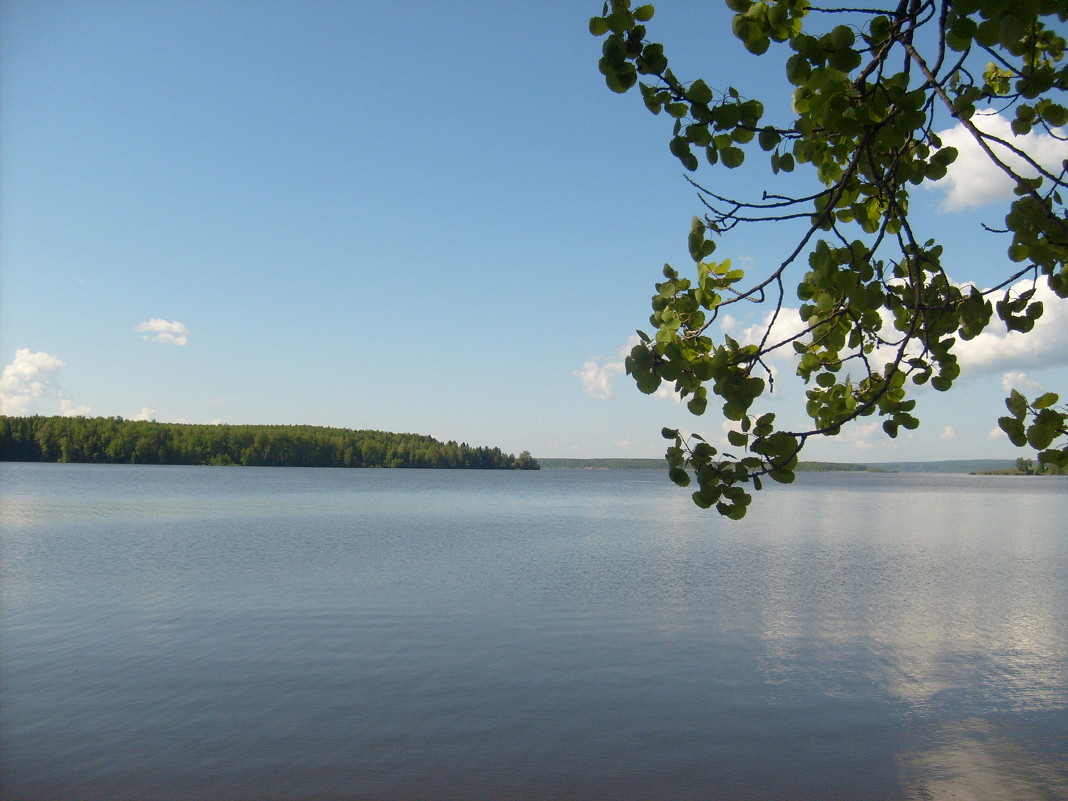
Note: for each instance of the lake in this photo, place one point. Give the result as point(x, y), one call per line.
point(277, 633)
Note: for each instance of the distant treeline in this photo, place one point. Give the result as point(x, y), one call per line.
point(661, 464)
point(837, 467)
point(113, 440)
point(603, 464)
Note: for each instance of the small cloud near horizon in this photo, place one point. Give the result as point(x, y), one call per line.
point(165, 332)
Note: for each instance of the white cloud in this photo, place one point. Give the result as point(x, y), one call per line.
point(995, 350)
point(597, 378)
point(145, 414)
point(69, 408)
point(998, 349)
point(597, 374)
point(858, 434)
point(974, 180)
point(948, 433)
point(788, 324)
point(1017, 380)
point(32, 376)
point(995, 433)
point(166, 332)
point(667, 391)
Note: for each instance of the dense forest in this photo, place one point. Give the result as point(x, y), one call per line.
point(113, 440)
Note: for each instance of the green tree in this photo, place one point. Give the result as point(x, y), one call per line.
point(878, 311)
point(526, 462)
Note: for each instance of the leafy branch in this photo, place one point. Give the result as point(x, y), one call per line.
point(874, 294)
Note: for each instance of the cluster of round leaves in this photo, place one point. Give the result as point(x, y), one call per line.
point(1047, 424)
point(682, 355)
point(866, 132)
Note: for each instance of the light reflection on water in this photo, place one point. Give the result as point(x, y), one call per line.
point(243, 633)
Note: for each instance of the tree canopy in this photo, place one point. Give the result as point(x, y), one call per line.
point(113, 440)
point(879, 314)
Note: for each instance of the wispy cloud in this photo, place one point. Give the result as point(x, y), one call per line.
point(598, 374)
point(974, 180)
point(1017, 380)
point(69, 408)
point(31, 376)
point(165, 332)
point(859, 435)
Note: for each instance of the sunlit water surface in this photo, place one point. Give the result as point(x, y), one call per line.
point(247, 633)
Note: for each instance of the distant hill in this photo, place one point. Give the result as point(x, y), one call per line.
point(603, 464)
point(948, 466)
point(837, 467)
point(661, 464)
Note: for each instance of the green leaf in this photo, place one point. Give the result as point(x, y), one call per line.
point(652, 60)
point(1016, 404)
point(699, 92)
point(737, 439)
point(679, 476)
point(941, 383)
point(648, 383)
point(1040, 436)
point(732, 156)
point(1014, 429)
point(798, 69)
point(700, 500)
point(1055, 114)
point(783, 476)
point(622, 79)
point(768, 139)
point(1045, 401)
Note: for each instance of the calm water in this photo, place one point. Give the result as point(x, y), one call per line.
point(247, 633)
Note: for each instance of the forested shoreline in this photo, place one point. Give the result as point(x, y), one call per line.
point(113, 440)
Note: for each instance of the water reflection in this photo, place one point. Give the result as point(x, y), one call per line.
point(939, 610)
point(977, 760)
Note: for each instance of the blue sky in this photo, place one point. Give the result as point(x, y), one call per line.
point(419, 216)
